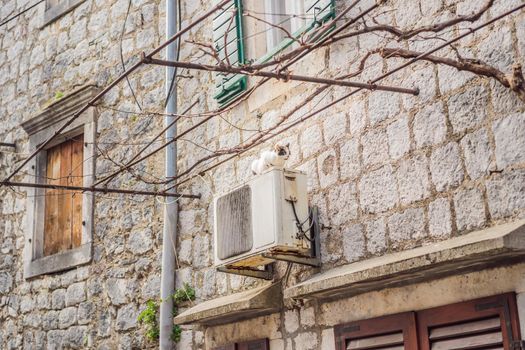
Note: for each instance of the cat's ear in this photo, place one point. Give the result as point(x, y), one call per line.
point(288, 145)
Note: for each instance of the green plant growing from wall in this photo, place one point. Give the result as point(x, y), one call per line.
point(149, 317)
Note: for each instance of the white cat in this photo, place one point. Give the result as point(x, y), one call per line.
point(274, 158)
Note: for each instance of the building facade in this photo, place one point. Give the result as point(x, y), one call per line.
point(421, 198)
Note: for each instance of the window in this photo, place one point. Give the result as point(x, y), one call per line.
point(60, 222)
point(63, 208)
point(229, 34)
point(488, 323)
point(259, 344)
point(57, 8)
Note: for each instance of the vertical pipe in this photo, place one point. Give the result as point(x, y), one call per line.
point(169, 234)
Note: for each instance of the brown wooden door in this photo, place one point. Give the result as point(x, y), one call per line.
point(394, 332)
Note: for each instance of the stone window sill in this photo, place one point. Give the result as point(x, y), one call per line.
point(496, 246)
point(59, 262)
point(53, 13)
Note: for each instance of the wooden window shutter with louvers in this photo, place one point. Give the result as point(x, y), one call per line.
point(63, 208)
point(228, 41)
point(488, 323)
point(394, 332)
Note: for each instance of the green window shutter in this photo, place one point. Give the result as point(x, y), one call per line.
point(228, 41)
point(318, 11)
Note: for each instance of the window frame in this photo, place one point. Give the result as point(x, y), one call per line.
point(52, 13)
point(40, 128)
point(416, 324)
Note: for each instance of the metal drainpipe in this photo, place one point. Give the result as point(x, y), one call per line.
point(169, 235)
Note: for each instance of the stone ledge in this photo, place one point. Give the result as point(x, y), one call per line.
point(495, 246)
point(235, 307)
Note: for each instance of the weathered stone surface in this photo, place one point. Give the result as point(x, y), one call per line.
point(86, 312)
point(344, 203)
point(306, 341)
point(407, 225)
point(116, 289)
point(375, 147)
point(439, 218)
point(468, 109)
point(291, 321)
point(334, 128)
point(381, 106)
point(58, 299)
point(445, 167)
point(328, 169)
point(67, 317)
point(50, 320)
point(376, 236)
point(311, 141)
point(509, 134)
point(413, 180)
point(75, 293)
point(378, 190)
point(350, 162)
point(201, 251)
point(477, 151)
point(126, 317)
point(470, 209)
point(430, 126)
point(398, 138)
point(6, 282)
point(140, 241)
point(353, 243)
point(506, 194)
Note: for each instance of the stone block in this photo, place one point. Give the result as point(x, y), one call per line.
point(446, 167)
point(413, 180)
point(67, 317)
point(375, 147)
point(291, 321)
point(343, 203)
point(77, 337)
point(357, 117)
point(468, 109)
point(509, 134)
point(140, 241)
point(407, 225)
point(451, 79)
point(306, 341)
point(398, 138)
point(349, 159)
point(353, 243)
point(378, 190)
point(126, 317)
point(376, 236)
point(117, 290)
point(6, 282)
point(86, 312)
point(506, 194)
point(76, 293)
point(477, 152)
point(308, 316)
point(311, 141)
point(327, 168)
point(382, 106)
point(469, 206)
point(439, 218)
point(56, 339)
point(201, 251)
point(58, 299)
point(430, 126)
point(334, 128)
point(50, 320)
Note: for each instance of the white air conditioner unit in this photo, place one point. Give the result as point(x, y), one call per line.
point(258, 217)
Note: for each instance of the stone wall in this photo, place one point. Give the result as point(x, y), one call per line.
point(388, 172)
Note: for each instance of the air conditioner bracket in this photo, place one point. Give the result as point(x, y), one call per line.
point(266, 274)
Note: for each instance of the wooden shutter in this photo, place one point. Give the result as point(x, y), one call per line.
point(488, 323)
point(259, 344)
point(228, 41)
point(63, 208)
point(393, 332)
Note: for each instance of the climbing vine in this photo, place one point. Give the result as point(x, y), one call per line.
point(149, 317)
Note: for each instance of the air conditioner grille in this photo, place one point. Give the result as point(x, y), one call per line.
point(234, 223)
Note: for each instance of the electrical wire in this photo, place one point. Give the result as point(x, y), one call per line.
point(7, 20)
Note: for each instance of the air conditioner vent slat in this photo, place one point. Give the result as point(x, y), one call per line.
point(234, 223)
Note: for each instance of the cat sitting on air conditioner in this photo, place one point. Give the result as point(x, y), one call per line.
point(274, 158)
